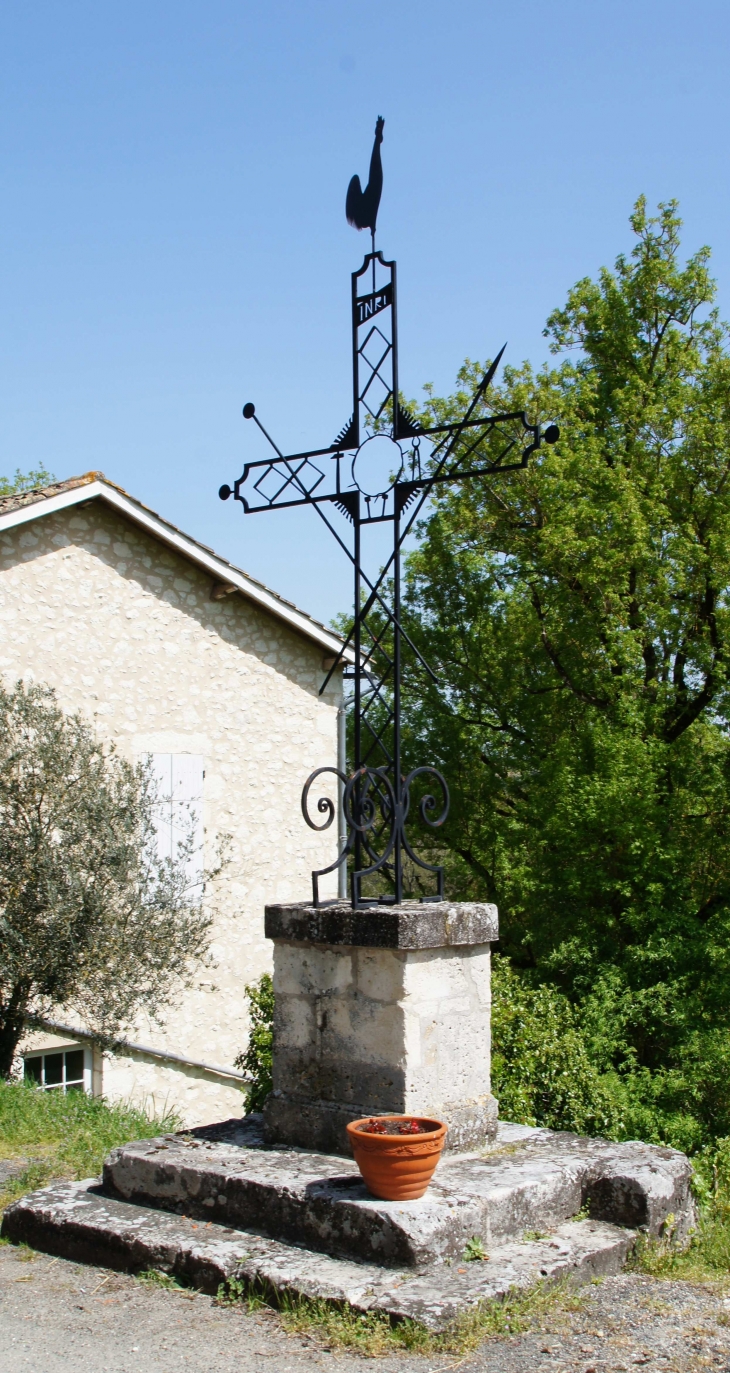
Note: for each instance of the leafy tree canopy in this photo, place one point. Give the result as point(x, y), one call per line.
point(25, 481)
point(577, 616)
point(91, 919)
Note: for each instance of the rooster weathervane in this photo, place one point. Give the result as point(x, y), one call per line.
point(361, 207)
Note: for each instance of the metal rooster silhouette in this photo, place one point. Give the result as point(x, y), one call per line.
point(361, 206)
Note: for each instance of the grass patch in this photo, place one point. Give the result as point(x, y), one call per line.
point(236, 1292)
point(65, 1135)
point(154, 1277)
point(35, 1175)
point(374, 1334)
point(705, 1259)
point(707, 1256)
point(23, 1252)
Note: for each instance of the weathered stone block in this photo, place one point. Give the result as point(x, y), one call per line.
point(385, 1010)
point(76, 1220)
point(414, 925)
point(218, 1204)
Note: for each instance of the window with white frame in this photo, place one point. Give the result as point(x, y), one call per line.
point(179, 812)
point(65, 1070)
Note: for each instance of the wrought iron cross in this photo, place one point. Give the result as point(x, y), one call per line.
point(376, 471)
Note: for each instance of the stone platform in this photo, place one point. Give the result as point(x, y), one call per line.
point(218, 1203)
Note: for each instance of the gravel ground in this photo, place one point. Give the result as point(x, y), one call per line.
point(59, 1317)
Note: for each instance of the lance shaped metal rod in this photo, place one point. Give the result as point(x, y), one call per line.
point(452, 432)
point(249, 412)
point(395, 621)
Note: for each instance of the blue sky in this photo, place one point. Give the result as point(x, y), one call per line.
point(173, 239)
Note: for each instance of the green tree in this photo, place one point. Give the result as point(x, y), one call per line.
point(577, 615)
point(25, 481)
point(90, 918)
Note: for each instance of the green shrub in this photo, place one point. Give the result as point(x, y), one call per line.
point(575, 1067)
point(25, 481)
point(708, 1253)
point(712, 1190)
point(566, 1067)
point(542, 1072)
point(256, 1059)
point(96, 924)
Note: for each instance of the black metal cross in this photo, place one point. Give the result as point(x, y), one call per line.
point(376, 472)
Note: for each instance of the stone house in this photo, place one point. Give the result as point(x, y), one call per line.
point(172, 652)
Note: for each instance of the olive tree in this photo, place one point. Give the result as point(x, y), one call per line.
point(92, 920)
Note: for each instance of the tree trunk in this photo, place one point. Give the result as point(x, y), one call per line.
point(12, 1024)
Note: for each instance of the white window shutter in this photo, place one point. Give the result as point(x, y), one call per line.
point(161, 765)
point(178, 780)
point(187, 816)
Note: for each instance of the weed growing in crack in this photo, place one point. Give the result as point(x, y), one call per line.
point(155, 1277)
point(373, 1334)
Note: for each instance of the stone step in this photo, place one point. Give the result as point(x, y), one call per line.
point(77, 1220)
point(535, 1178)
point(527, 1180)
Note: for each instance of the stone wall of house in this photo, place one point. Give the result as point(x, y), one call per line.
point(126, 631)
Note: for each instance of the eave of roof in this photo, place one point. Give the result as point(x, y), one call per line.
point(23, 506)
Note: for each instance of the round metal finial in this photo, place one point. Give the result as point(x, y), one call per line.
point(249, 410)
point(224, 492)
point(552, 434)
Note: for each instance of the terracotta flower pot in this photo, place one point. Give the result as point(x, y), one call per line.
point(397, 1167)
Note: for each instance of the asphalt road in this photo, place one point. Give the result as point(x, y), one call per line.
point(59, 1317)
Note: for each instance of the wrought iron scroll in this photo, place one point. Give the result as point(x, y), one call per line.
point(377, 818)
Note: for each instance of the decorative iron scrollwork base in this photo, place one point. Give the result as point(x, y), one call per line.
point(376, 818)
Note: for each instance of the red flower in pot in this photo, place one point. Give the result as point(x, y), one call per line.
point(396, 1155)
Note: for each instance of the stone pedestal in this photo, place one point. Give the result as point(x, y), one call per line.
point(377, 1011)
point(381, 1011)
